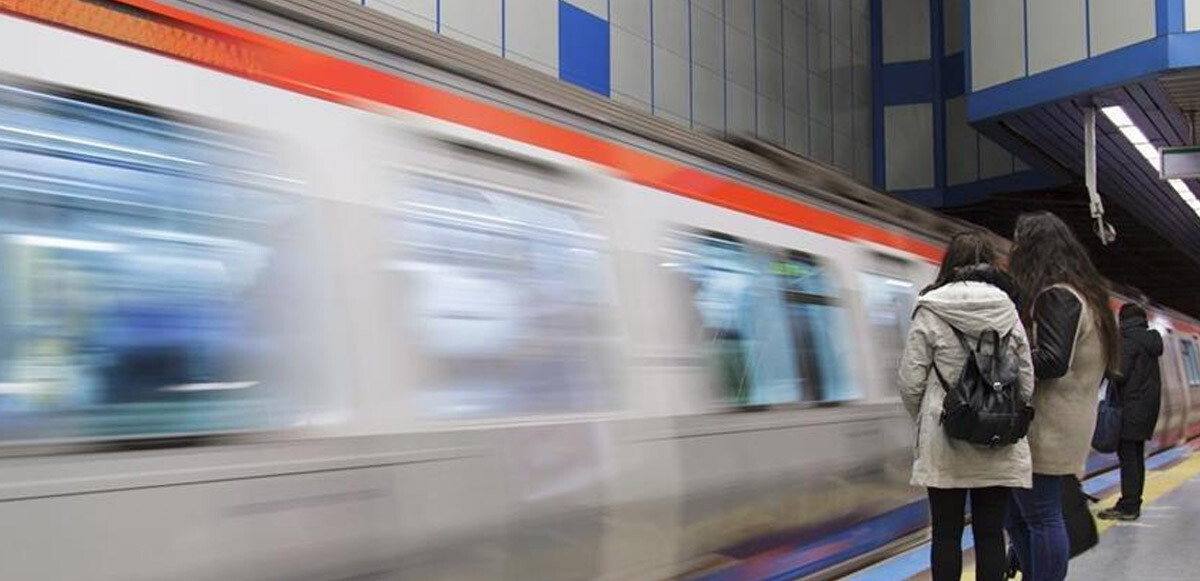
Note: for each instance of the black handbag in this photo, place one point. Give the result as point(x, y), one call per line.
point(1107, 436)
point(1081, 525)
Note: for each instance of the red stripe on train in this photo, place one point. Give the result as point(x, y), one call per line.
point(211, 43)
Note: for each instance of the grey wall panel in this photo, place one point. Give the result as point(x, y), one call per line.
point(908, 150)
point(905, 30)
point(1120, 23)
point(997, 46)
point(1191, 13)
point(1057, 33)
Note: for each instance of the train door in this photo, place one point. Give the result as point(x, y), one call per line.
point(888, 287)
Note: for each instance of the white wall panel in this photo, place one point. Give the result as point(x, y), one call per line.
point(841, 21)
point(671, 25)
point(739, 58)
point(1118, 23)
point(770, 73)
point(1191, 15)
point(842, 103)
point(770, 120)
point(672, 89)
point(1057, 33)
point(905, 30)
point(633, 16)
point(797, 132)
point(423, 13)
point(768, 16)
point(997, 49)
point(819, 99)
point(908, 150)
point(473, 22)
point(795, 86)
point(962, 146)
point(953, 25)
point(795, 37)
point(630, 64)
point(843, 151)
point(739, 14)
point(818, 13)
point(820, 145)
point(598, 8)
point(819, 58)
point(994, 161)
point(708, 40)
point(739, 108)
point(532, 31)
point(708, 98)
point(863, 160)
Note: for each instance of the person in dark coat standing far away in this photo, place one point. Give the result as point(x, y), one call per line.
point(1140, 389)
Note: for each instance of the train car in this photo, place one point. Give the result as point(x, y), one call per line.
point(269, 312)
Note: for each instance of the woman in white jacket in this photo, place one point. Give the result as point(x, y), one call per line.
point(973, 296)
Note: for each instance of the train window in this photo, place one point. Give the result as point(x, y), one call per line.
point(770, 320)
point(1189, 362)
point(889, 302)
point(132, 250)
point(510, 300)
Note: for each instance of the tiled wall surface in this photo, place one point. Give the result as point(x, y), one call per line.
point(793, 72)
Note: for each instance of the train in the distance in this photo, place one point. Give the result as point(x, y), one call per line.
point(274, 313)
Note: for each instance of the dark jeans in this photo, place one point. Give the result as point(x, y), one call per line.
point(1132, 454)
point(947, 507)
point(1038, 531)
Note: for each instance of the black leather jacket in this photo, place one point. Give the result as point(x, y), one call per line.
point(1056, 315)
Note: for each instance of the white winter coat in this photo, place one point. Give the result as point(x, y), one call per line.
point(943, 462)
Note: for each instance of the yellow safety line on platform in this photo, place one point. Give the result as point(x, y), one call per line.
point(1158, 484)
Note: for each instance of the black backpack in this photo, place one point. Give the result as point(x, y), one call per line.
point(985, 406)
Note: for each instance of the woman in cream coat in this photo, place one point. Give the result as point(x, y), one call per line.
point(974, 297)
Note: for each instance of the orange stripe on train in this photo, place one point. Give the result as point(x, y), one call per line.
point(211, 43)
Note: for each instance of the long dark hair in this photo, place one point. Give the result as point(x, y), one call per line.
point(1045, 253)
point(967, 248)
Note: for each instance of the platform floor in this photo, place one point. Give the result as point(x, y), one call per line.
point(1161, 546)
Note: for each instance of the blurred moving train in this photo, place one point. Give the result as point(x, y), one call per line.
point(423, 330)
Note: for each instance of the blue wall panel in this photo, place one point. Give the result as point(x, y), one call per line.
point(583, 49)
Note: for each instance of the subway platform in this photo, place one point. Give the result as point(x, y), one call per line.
point(1160, 546)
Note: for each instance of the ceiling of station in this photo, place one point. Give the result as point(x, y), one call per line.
point(1141, 258)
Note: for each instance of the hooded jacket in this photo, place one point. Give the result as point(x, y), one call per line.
point(940, 461)
point(1140, 384)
